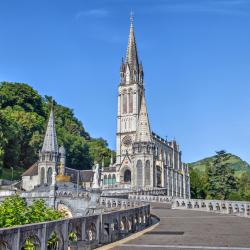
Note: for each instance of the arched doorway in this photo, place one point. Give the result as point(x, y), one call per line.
point(49, 176)
point(127, 176)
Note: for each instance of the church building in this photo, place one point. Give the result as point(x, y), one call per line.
point(144, 160)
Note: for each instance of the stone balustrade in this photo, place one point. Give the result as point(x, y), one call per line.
point(118, 203)
point(150, 198)
point(90, 231)
point(240, 208)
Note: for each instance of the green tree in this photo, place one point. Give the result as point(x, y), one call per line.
point(220, 178)
point(197, 184)
point(99, 152)
point(244, 186)
point(23, 120)
point(14, 211)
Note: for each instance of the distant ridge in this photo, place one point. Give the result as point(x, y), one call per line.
point(234, 161)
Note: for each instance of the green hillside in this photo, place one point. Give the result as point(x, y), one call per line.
point(23, 120)
point(222, 176)
point(234, 162)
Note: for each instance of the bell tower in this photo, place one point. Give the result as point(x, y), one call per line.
point(130, 92)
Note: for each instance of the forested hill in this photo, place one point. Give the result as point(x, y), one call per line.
point(222, 176)
point(234, 162)
point(23, 119)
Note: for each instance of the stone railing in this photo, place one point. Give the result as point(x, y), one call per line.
point(150, 198)
point(90, 231)
point(150, 191)
point(117, 203)
point(240, 208)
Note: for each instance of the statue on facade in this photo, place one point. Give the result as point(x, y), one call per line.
point(96, 177)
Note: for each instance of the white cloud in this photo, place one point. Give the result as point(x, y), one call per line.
point(228, 7)
point(97, 13)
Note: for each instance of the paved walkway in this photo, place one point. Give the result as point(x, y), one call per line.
point(186, 229)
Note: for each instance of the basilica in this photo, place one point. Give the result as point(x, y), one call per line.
point(144, 160)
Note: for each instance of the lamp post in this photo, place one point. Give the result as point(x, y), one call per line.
point(12, 173)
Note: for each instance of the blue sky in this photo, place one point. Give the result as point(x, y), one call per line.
point(196, 57)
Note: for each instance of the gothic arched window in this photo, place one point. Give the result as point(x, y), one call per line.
point(113, 179)
point(109, 179)
point(42, 175)
point(124, 105)
point(147, 173)
point(49, 176)
point(139, 173)
point(105, 180)
point(130, 102)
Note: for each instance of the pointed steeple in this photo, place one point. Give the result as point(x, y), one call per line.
point(143, 132)
point(50, 139)
point(131, 56)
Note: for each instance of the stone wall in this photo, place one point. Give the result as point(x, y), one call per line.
point(91, 231)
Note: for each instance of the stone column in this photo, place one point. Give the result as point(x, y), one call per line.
point(184, 185)
point(172, 182)
point(180, 184)
point(177, 183)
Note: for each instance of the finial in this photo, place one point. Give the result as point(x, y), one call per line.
point(52, 103)
point(131, 18)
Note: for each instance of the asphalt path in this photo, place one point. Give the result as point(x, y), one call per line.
point(187, 229)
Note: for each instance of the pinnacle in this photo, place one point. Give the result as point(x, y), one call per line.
point(50, 139)
point(143, 133)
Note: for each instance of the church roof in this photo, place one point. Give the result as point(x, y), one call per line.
point(31, 171)
point(84, 175)
point(131, 56)
point(50, 139)
point(109, 169)
point(143, 132)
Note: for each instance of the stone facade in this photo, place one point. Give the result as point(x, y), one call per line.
point(143, 159)
point(91, 231)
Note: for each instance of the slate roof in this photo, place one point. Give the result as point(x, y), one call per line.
point(131, 56)
point(84, 175)
point(31, 171)
point(109, 169)
point(50, 139)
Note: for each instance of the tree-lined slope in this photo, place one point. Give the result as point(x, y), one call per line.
point(23, 119)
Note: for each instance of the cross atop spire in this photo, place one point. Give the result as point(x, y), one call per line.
point(50, 139)
point(132, 57)
point(131, 18)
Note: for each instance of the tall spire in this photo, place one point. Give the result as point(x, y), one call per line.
point(143, 132)
point(50, 139)
point(131, 56)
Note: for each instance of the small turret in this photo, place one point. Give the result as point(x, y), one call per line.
point(62, 154)
point(49, 150)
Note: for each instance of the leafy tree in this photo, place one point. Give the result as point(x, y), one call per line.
point(197, 187)
point(220, 178)
point(23, 120)
point(14, 211)
point(244, 186)
point(22, 95)
point(99, 152)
